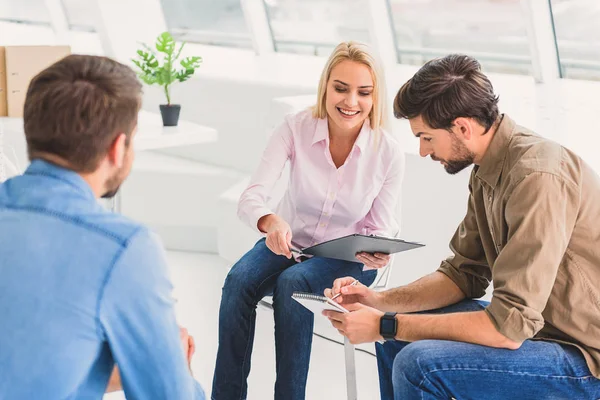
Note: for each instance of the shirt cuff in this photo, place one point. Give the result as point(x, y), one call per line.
point(516, 324)
point(459, 280)
point(255, 215)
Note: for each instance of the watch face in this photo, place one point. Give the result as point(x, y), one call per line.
point(388, 326)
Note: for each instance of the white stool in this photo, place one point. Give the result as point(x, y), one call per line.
point(380, 283)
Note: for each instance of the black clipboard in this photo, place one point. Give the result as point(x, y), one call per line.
point(346, 247)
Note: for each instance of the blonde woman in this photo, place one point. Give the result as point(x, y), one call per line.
point(345, 177)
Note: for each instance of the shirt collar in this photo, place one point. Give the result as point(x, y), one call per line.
point(363, 136)
point(322, 133)
point(44, 168)
point(491, 165)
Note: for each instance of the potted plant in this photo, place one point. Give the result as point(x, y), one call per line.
point(161, 70)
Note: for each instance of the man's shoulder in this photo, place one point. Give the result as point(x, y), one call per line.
point(114, 226)
point(530, 153)
point(57, 204)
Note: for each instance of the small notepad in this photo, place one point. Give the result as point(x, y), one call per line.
point(317, 303)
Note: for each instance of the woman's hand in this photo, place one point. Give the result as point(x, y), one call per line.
point(279, 234)
point(373, 260)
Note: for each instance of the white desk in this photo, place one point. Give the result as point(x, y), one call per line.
point(151, 133)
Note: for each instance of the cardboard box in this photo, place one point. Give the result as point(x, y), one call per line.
point(3, 105)
point(22, 64)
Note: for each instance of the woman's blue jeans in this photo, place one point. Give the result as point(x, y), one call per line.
point(441, 369)
point(259, 273)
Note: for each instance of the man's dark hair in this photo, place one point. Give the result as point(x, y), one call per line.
point(445, 89)
point(77, 107)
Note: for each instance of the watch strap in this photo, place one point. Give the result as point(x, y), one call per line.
point(388, 326)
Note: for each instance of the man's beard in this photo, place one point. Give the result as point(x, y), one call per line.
point(462, 157)
point(114, 184)
point(111, 194)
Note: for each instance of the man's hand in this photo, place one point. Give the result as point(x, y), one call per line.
point(279, 234)
point(114, 383)
point(189, 347)
point(373, 260)
point(358, 293)
point(360, 325)
point(188, 344)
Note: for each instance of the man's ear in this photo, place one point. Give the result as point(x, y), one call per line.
point(117, 150)
point(464, 127)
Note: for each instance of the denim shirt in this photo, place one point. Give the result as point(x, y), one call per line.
point(81, 289)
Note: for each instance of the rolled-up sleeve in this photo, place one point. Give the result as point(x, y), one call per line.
point(540, 214)
point(468, 267)
point(252, 204)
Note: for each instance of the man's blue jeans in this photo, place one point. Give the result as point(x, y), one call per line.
point(441, 369)
point(257, 274)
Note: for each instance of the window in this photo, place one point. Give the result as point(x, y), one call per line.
point(25, 23)
point(80, 15)
point(493, 31)
point(27, 11)
point(215, 22)
point(577, 29)
point(316, 26)
point(28, 22)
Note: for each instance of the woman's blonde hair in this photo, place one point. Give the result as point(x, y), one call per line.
point(357, 52)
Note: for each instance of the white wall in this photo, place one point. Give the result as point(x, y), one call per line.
point(240, 113)
point(235, 96)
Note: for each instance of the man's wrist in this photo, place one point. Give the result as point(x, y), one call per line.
point(378, 300)
point(388, 326)
point(401, 326)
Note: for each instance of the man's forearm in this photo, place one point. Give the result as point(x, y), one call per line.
point(470, 327)
point(432, 291)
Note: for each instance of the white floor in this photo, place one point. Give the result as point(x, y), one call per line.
point(198, 279)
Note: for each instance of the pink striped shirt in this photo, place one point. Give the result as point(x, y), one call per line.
point(323, 202)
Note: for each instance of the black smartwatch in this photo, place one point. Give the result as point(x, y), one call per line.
point(388, 326)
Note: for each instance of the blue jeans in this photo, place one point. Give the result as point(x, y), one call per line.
point(259, 273)
point(441, 369)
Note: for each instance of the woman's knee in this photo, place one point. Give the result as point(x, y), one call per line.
point(237, 278)
point(248, 270)
point(241, 284)
point(293, 278)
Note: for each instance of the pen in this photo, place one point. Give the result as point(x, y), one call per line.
point(295, 250)
point(352, 284)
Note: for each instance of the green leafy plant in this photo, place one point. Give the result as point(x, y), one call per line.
point(157, 66)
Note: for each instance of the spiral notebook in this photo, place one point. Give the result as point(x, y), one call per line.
point(317, 303)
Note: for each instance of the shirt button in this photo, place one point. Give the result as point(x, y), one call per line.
point(325, 213)
point(322, 225)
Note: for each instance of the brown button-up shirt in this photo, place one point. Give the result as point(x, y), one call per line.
point(533, 228)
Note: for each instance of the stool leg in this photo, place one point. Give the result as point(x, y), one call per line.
point(350, 370)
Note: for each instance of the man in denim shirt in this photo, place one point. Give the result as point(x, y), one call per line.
point(82, 288)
